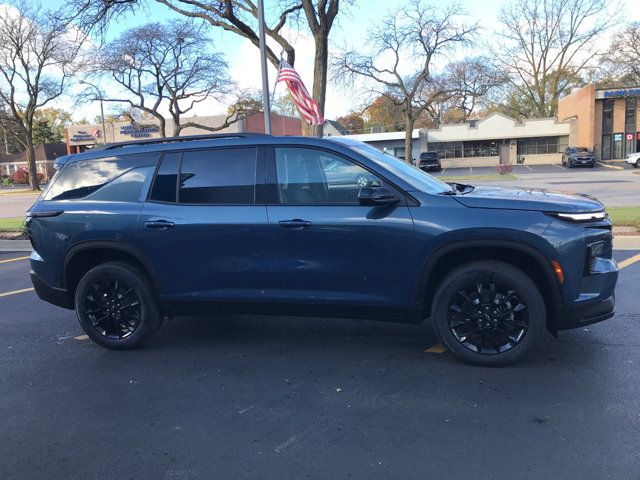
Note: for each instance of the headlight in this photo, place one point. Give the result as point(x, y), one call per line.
point(582, 217)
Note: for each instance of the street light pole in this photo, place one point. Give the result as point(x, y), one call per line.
point(263, 65)
point(100, 97)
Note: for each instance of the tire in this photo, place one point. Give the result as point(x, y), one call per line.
point(116, 306)
point(637, 164)
point(362, 181)
point(456, 331)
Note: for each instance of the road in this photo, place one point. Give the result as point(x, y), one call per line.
point(251, 397)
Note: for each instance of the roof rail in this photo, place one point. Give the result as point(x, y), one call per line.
point(153, 141)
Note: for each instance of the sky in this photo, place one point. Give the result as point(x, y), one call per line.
point(350, 30)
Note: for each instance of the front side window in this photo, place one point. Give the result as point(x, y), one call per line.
point(307, 176)
point(218, 176)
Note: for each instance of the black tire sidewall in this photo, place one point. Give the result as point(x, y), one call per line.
point(507, 275)
point(149, 315)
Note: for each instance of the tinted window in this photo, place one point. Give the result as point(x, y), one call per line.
point(220, 176)
point(125, 188)
point(166, 181)
point(309, 176)
point(82, 178)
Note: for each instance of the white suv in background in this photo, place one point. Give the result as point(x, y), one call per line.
point(633, 159)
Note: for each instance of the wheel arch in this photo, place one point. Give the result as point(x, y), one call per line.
point(523, 256)
point(81, 257)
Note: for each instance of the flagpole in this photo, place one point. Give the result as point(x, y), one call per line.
point(263, 64)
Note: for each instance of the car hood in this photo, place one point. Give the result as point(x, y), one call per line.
point(528, 199)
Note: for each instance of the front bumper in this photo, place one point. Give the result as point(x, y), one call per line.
point(56, 296)
point(596, 301)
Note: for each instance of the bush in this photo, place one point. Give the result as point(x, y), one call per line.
point(21, 177)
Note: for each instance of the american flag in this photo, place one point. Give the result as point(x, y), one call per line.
point(306, 104)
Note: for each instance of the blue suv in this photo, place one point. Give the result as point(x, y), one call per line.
point(134, 233)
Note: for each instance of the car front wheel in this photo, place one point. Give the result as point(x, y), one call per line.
point(116, 306)
point(489, 313)
point(637, 164)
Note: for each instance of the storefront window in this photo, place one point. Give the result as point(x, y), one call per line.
point(538, 146)
point(447, 149)
point(483, 148)
point(617, 145)
point(606, 147)
point(607, 116)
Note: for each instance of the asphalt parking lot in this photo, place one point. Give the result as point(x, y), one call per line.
point(273, 398)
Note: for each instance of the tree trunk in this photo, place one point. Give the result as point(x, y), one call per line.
point(163, 127)
point(32, 167)
point(319, 91)
point(408, 139)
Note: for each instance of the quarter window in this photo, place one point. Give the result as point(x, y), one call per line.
point(218, 176)
point(309, 176)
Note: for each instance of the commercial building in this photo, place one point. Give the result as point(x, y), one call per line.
point(484, 142)
point(605, 120)
point(81, 137)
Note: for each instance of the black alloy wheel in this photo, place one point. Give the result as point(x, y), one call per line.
point(488, 313)
point(113, 308)
point(116, 305)
point(488, 318)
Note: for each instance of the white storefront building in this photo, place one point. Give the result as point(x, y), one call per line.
point(483, 142)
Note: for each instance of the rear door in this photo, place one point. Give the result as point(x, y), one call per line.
point(329, 249)
point(203, 227)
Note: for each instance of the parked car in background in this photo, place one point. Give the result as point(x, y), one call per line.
point(633, 159)
point(578, 156)
point(429, 161)
point(248, 223)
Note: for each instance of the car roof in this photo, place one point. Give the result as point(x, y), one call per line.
point(201, 141)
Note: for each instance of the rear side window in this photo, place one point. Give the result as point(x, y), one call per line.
point(224, 176)
point(82, 178)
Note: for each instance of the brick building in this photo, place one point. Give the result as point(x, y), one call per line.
point(605, 120)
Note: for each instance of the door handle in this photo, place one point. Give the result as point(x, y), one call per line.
point(295, 224)
point(159, 225)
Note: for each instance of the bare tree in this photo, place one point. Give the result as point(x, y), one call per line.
point(38, 52)
point(239, 17)
point(471, 82)
point(164, 67)
point(546, 44)
point(622, 61)
point(408, 39)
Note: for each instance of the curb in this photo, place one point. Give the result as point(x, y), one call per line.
point(15, 246)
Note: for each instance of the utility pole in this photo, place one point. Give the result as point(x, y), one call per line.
point(263, 65)
point(100, 97)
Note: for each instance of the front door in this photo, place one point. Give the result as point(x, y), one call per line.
point(329, 249)
point(202, 228)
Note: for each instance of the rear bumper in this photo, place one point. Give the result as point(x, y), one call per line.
point(56, 296)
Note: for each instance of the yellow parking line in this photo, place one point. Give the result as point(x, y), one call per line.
point(15, 292)
point(13, 259)
point(436, 349)
point(610, 166)
point(629, 261)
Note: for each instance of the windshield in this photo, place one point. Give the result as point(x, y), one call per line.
point(417, 178)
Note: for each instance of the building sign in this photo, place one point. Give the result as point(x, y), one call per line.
point(624, 92)
point(139, 131)
point(617, 137)
point(629, 136)
point(88, 135)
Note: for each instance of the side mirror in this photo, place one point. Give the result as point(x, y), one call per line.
point(377, 196)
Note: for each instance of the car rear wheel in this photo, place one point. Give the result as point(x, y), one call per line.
point(489, 313)
point(116, 306)
point(637, 164)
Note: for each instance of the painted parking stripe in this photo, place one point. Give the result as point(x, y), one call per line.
point(629, 261)
point(558, 166)
point(81, 337)
point(527, 166)
point(14, 259)
point(436, 349)
point(15, 292)
point(610, 166)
